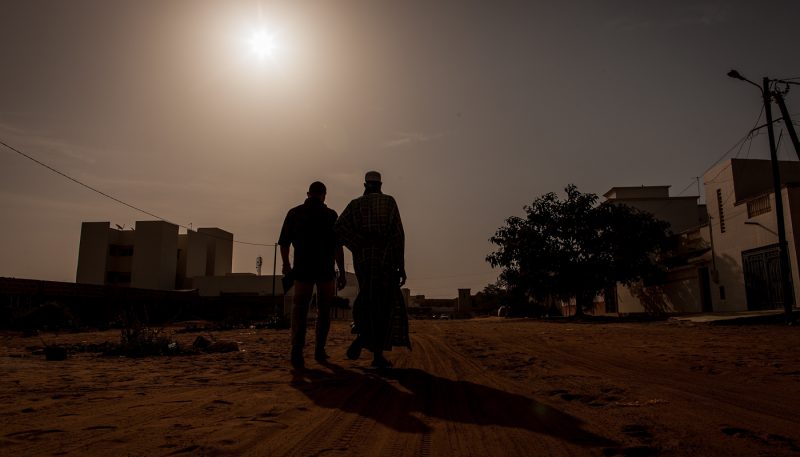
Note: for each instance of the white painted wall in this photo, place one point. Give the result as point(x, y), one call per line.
point(155, 255)
point(93, 253)
point(738, 178)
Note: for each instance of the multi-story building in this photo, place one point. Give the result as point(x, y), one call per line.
point(682, 213)
point(685, 288)
point(730, 263)
point(153, 255)
point(744, 233)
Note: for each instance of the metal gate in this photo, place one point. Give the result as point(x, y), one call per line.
point(762, 278)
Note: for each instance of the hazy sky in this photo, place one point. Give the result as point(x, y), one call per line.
point(469, 109)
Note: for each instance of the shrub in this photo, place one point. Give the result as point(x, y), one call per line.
point(141, 341)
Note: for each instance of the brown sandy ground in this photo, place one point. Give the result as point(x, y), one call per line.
point(481, 387)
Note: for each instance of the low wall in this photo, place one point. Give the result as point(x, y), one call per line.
point(28, 304)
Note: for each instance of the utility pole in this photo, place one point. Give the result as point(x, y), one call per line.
point(788, 122)
point(767, 94)
point(788, 293)
point(274, 268)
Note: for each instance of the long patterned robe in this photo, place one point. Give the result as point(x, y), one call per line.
point(371, 228)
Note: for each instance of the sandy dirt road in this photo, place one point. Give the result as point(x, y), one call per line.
point(482, 387)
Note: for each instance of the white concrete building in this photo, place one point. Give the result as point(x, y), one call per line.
point(682, 213)
point(151, 256)
point(741, 204)
point(686, 286)
point(731, 262)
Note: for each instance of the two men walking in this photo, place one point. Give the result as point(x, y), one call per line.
point(371, 228)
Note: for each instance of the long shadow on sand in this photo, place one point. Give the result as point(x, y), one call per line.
point(400, 399)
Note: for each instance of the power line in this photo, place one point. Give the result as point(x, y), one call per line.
point(740, 144)
point(749, 145)
point(748, 140)
point(104, 194)
point(741, 141)
point(686, 188)
point(81, 183)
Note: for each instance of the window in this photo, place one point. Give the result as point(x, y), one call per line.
point(118, 250)
point(722, 292)
point(758, 206)
point(720, 211)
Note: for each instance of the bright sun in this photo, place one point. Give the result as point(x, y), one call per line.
point(262, 44)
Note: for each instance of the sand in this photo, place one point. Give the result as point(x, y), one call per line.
point(481, 387)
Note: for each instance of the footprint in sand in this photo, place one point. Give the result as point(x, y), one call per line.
point(33, 434)
point(101, 427)
point(637, 431)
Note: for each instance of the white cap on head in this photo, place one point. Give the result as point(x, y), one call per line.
point(372, 176)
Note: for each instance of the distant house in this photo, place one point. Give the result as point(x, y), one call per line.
point(420, 306)
point(250, 284)
point(151, 256)
point(685, 287)
point(154, 255)
point(682, 213)
point(730, 262)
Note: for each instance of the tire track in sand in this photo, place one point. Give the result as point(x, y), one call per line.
point(334, 435)
point(474, 412)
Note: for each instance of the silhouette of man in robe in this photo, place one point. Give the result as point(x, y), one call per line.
point(370, 227)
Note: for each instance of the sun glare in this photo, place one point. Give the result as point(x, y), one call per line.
point(262, 44)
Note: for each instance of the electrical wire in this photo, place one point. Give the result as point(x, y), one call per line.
point(741, 140)
point(749, 139)
point(81, 183)
point(749, 145)
point(104, 194)
point(686, 188)
point(749, 136)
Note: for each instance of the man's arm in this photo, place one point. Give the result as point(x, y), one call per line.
point(341, 281)
point(401, 254)
point(287, 265)
point(345, 228)
point(285, 240)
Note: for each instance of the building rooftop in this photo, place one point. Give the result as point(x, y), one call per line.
point(624, 192)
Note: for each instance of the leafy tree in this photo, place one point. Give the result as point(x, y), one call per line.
point(575, 248)
point(496, 295)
